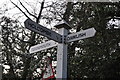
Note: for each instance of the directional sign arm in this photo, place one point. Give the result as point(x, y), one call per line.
point(43, 30)
point(81, 35)
point(43, 46)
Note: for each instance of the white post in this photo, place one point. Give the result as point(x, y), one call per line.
point(61, 72)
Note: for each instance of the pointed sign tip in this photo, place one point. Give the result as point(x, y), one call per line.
point(94, 31)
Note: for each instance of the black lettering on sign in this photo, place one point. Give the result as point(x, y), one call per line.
point(76, 36)
point(31, 25)
point(42, 46)
point(72, 37)
point(81, 35)
point(37, 28)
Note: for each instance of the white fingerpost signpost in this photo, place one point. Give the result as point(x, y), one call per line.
point(62, 39)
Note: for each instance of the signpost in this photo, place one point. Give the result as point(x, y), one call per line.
point(43, 46)
point(43, 30)
point(61, 72)
point(81, 35)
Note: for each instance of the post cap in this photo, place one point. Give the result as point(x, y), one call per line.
point(63, 24)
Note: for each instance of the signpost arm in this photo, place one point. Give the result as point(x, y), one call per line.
point(62, 57)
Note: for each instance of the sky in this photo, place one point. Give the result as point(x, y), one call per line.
point(15, 13)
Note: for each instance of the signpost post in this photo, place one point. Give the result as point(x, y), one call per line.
point(62, 38)
point(61, 72)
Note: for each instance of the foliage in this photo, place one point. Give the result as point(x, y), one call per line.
point(97, 53)
point(16, 44)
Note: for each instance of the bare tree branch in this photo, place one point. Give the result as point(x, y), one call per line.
point(19, 9)
point(42, 6)
point(57, 13)
point(27, 10)
point(26, 34)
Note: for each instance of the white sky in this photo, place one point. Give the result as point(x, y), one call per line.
point(15, 13)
